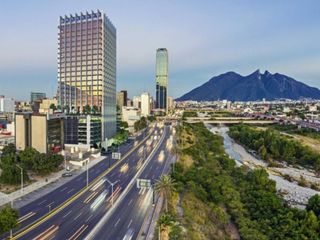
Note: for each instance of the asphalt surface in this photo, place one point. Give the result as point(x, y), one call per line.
point(127, 220)
point(77, 218)
point(43, 205)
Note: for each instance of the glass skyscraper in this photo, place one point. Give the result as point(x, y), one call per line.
point(161, 78)
point(87, 67)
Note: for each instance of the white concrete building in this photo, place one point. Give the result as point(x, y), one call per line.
point(137, 101)
point(130, 115)
point(170, 103)
point(145, 104)
point(6, 104)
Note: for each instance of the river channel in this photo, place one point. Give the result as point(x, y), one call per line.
point(296, 195)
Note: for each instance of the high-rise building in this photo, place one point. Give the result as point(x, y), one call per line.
point(87, 67)
point(122, 99)
point(161, 78)
point(37, 96)
point(145, 104)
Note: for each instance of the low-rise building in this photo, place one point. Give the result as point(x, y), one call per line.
point(45, 105)
point(131, 115)
point(7, 105)
point(82, 129)
point(43, 132)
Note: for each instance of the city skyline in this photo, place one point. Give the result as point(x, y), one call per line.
point(226, 36)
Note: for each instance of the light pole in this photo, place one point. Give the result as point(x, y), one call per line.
point(65, 160)
point(87, 163)
point(21, 172)
point(112, 184)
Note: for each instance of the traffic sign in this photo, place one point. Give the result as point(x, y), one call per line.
point(116, 155)
point(144, 183)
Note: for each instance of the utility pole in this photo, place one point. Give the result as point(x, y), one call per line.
point(87, 163)
point(112, 184)
point(65, 160)
point(21, 172)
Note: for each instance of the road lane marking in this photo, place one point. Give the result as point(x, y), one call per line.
point(63, 189)
point(89, 218)
point(129, 223)
point(71, 190)
point(42, 202)
point(117, 222)
point(67, 214)
point(47, 233)
point(77, 216)
point(90, 197)
point(130, 202)
point(77, 234)
point(50, 204)
point(25, 217)
point(36, 223)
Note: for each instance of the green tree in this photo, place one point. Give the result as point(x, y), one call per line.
point(86, 109)
point(165, 186)
point(164, 222)
point(11, 174)
point(27, 157)
point(9, 149)
point(8, 219)
point(124, 125)
point(53, 107)
point(95, 109)
point(314, 205)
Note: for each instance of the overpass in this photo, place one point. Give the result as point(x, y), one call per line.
point(229, 120)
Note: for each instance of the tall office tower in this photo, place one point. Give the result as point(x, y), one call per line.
point(87, 67)
point(161, 78)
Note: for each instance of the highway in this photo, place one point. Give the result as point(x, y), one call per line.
point(71, 219)
point(127, 219)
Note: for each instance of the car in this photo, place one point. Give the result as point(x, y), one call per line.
point(67, 174)
point(129, 234)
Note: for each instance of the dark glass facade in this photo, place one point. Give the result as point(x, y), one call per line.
point(161, 78)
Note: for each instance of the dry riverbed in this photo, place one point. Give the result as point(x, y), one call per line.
point(296, 195)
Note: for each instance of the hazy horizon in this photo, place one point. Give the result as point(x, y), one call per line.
point(204, 39)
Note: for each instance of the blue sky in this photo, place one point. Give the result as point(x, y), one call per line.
point(204, 39)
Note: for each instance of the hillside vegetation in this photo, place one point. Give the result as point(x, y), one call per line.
point(213, 196)
point(273, 146)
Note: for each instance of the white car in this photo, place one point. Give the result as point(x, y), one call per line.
point(129, 234)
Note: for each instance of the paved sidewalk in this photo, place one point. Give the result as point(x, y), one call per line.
point(42, 187)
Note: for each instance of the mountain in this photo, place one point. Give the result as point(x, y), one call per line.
point(234, 87)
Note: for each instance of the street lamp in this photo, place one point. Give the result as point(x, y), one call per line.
point(21, 172)
point(112, 184)
point(65, 160)
point(87, 163)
